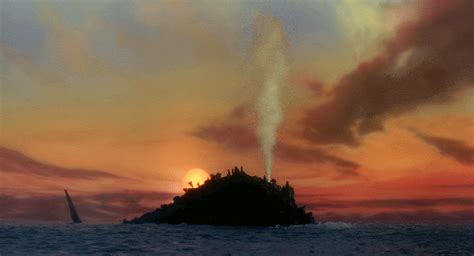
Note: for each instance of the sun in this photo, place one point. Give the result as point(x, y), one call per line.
point(196, 177)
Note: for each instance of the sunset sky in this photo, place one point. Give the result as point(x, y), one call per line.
point(116, 100)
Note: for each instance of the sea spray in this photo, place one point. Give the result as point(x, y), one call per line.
point(270, 60)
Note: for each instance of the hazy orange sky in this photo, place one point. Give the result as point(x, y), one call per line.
point(117, 100)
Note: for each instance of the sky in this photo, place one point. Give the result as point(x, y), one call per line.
point(116, 100)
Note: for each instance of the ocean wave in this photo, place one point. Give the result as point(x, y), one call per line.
point(336, 225)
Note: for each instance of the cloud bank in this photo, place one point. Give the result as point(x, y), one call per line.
point(234, 133)
point(12, 161)
point(103, 207)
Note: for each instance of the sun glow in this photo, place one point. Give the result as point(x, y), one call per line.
point(194, 178)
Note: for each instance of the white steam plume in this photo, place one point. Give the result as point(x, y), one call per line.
point(270, 61)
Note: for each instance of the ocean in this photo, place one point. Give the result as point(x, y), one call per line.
point(315, 239)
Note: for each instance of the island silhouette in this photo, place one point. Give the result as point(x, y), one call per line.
point(236, 199)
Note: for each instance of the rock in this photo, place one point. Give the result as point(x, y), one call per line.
point(237, 199)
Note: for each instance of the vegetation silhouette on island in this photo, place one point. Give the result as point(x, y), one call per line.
point(236, 199)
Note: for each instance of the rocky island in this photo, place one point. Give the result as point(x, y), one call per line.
point(236, 199)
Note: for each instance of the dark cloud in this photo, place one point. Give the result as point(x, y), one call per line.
point(33, 209)
point(12, 161)
point(422, 216)
point(239, 112)
point(415, 203)
point(425, 63)
point(395, 203)
point(456, 149)
point(234, 134)
point(457, 186)
point(296, 154)
point(105, 207)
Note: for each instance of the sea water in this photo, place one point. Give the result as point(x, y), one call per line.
point(316, 239)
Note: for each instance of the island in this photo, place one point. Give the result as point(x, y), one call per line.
point(237, 199)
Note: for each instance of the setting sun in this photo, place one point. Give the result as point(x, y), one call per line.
point(195, 177)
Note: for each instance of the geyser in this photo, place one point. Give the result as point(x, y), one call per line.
point(271, 64)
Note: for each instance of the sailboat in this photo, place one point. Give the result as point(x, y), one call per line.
point(74, 216)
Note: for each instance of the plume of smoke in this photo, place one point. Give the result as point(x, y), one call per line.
point(271, 64)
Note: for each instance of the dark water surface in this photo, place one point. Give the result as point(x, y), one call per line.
point(317, 239)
